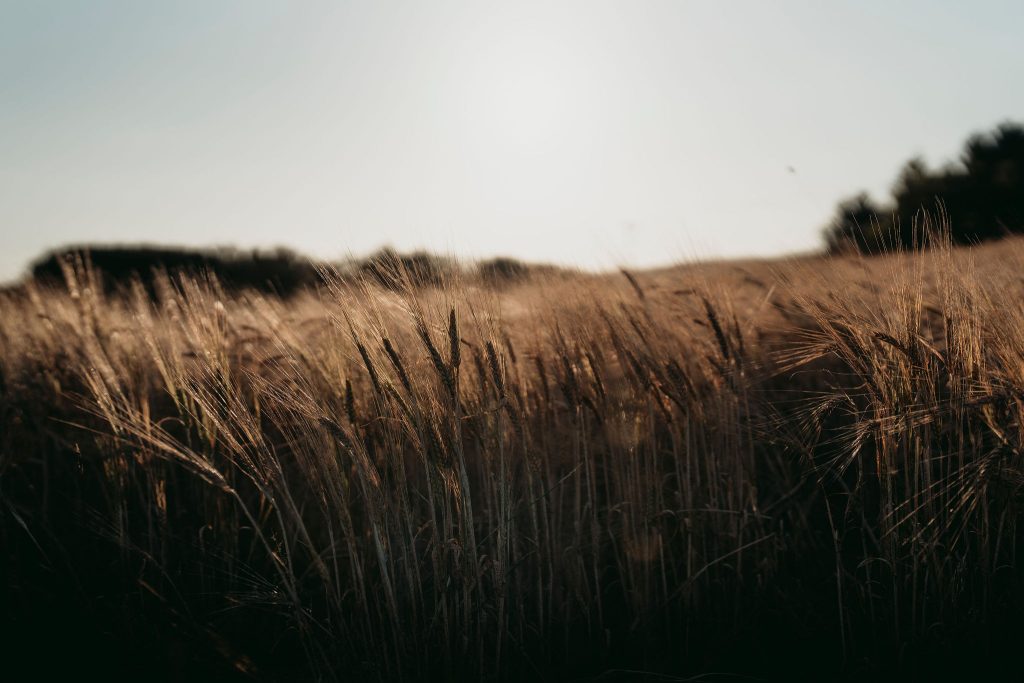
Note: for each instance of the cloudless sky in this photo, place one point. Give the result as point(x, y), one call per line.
point(593, 133)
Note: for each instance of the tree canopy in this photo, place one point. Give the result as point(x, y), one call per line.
point(980, 197)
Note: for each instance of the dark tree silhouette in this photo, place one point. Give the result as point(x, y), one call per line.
point(280, 271)
point(981, 197)
point(855, 225)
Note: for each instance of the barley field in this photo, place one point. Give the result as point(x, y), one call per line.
point(804, 469)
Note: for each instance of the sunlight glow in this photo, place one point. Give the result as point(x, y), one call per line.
point(587, 132)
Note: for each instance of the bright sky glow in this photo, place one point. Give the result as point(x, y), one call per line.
point(591, 133)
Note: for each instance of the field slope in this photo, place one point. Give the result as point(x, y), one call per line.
point(799, 469)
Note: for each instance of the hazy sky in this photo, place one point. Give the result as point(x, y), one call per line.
point(595, 133)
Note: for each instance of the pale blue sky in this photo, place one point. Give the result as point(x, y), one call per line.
point(595, 133)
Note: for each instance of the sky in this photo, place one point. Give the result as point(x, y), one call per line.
point(591, 133)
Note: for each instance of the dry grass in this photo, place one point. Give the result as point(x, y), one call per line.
point(670, 471)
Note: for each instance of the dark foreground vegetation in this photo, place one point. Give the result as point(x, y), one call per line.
point(816, 476)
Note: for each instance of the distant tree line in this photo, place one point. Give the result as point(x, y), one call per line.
point(981, 197)
point(281, 271)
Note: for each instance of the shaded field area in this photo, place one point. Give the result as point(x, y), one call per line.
point(806, 469)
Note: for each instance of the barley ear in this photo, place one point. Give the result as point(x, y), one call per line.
point(495, 366)
point(350, 402)
point(396, 362)
point(455, 355)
